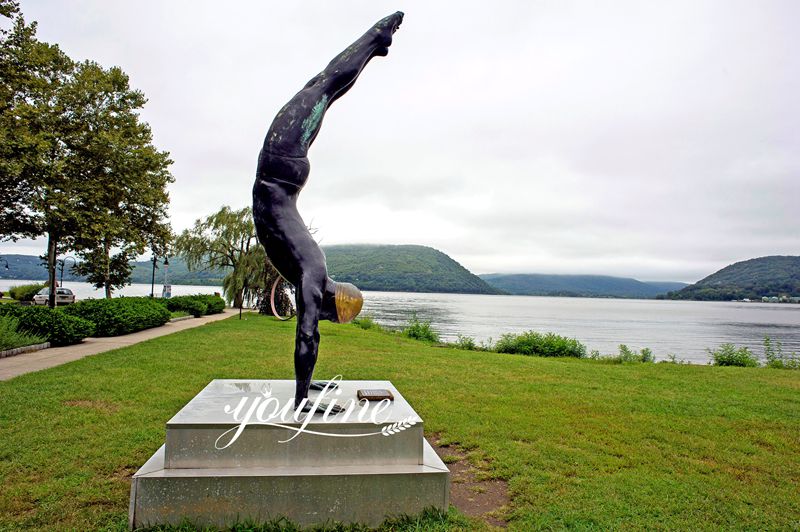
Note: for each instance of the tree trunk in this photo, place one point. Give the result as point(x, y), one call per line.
point(107, 273)
point(51, 268)
point(238, 301)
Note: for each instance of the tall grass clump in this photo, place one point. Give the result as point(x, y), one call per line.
point(538, 344)
point(367, 323)
point(420, 330)
point(730, 355)
point(626, 355)
point(776, 358)
point(671, 358)
point(11, 337)
point(467, 343)
point(629, 355)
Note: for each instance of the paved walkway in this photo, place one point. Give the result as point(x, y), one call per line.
point(47, 358)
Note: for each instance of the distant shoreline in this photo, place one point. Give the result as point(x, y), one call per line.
point(6, 283)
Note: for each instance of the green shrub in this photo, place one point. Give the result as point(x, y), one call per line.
point(11, 337)
point(775, 357)
point(214, 303)
point(366, 323)
point(730, 355)
point(420, 330)
point(124, 315)
point(25, 292)
point(626, 355)
point(195, 308)
point(466, 342)
point(538, 344)
point(53, 324)
point(193, 305)
point(197, 305)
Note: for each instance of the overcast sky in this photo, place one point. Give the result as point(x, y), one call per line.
point(658, 140)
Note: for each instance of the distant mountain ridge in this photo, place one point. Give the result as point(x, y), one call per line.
point(391, 268)
point(402, 268)
point(540, 284)
point(776, 275)
point(31, 267)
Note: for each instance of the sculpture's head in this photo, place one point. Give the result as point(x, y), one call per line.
point(348, 300)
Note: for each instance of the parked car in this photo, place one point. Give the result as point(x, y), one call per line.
point(64, 296)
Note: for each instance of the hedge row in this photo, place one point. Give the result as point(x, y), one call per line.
point(59, 328)
point(25, 292)
point(106, 317)
point(123, 315)
point(196, 305)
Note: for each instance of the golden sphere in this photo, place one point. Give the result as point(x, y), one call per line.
point(348, 302)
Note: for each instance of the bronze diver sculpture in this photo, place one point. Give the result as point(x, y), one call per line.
point(283, 169)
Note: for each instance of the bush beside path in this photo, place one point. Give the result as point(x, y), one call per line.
point(27, 362)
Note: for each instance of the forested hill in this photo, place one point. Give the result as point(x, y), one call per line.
point(752, 279)
point(370, 267)
point(402, 269)
point(33, 268)
point(538, 284)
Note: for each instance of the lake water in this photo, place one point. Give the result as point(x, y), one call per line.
point(682, 328)
point(86, 290)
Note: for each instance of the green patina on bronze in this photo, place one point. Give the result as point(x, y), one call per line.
point(310, 124)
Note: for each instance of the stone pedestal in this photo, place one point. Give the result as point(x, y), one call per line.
point(332, 472)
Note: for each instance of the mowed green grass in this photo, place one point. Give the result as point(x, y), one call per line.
point(583, 444)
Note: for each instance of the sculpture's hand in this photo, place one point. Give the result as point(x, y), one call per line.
point(383, 31)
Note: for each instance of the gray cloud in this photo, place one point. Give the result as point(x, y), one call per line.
point(651, 139)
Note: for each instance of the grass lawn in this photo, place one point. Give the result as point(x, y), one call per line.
point(582, 444)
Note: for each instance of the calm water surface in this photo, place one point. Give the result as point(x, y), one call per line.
point(682, 328)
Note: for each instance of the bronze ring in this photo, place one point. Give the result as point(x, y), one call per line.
point(272, 301)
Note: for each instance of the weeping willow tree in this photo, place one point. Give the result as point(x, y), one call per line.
point(249, 278)
point(227, 241)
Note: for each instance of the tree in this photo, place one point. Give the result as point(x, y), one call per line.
point(227, 240)
point(126, 177)
point(77, 165)
point(35, 194)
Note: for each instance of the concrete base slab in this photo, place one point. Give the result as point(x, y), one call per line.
point(344, 470)
point(305, 495)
